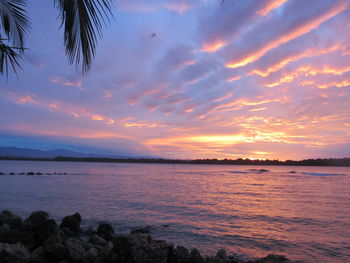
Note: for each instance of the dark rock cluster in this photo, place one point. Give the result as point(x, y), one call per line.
point(31, 173)
point(39, 239)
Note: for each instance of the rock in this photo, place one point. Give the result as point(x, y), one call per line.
point(106, 253)
point(160, 251)
point(220, 257)
point(39, 255)
point(180, 255)
point(144, 230)
point(37, 218)
point(41, 225)
point(72, 222)
point(4, 229)
point(15, 236)
point(10, 219)
point(75, 248)
point(195, 256)
point(97, 240)
point(106, 231)
point(14, 253)
point(141, 248)
point(44, 230)
point(91, 255)
point(53, 245)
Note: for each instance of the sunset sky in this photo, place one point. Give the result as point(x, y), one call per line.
point(189, 79)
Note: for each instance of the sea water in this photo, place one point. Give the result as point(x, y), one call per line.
point(301, 212)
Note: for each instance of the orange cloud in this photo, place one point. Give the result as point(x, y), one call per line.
point(240, 103)
point(297, 32)
point(22, 99)
point(270, 7)
point(54, 106)
point(232, 79)
point(180, 7)
point(97, 117)
point(140, 124)
point(144, 6)
point(258, 109)
point(57, 80)
point(26, 99)
point(340, 84)
point(306, 71)
point(310, 52)
point(213, 47)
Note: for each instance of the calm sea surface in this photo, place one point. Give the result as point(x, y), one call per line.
point(302, 212)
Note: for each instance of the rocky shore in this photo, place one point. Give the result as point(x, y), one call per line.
point(39, 239)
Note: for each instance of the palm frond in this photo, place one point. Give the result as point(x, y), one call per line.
point(9, 56)
point(83, 21)
point(14, 26)
point(14, 23)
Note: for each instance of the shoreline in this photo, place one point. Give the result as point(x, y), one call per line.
point(39, 239)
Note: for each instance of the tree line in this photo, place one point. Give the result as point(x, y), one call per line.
point(239, 161)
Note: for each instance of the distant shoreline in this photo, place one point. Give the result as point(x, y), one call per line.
point(340, 162)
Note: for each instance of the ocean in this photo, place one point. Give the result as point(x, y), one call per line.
point(301, 212)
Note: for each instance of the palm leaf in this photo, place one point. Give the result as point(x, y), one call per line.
point(14, 26)
point(14, 23)
point(83, 21)
point(9, 56)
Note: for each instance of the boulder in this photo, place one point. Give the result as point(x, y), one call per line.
point(16, 236)
point(97, 240)
point(39, 255)
point(44, 230)
point(196, 257)
point(139, 248)
point(220, 257)
point(180, 255)
point(4, 229)
point(14, 253)
point(72, 222)
point(91, 255)
point(53, 245)
point(10, 219)
point(37, 218)
point(75, 248)
point(106, 231)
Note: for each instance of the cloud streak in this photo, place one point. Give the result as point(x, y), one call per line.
point(193, 79)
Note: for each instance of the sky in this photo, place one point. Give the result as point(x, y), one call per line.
point(189, 79)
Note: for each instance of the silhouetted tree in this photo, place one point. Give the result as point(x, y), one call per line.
point(82, 21)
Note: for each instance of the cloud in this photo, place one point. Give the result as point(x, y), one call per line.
point(178, 6)
point(70, 81)
point(298, 26)
point(188, 79)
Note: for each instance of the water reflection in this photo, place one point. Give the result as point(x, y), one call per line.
point(300, 214)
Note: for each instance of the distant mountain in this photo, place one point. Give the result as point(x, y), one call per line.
point(32, 153)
